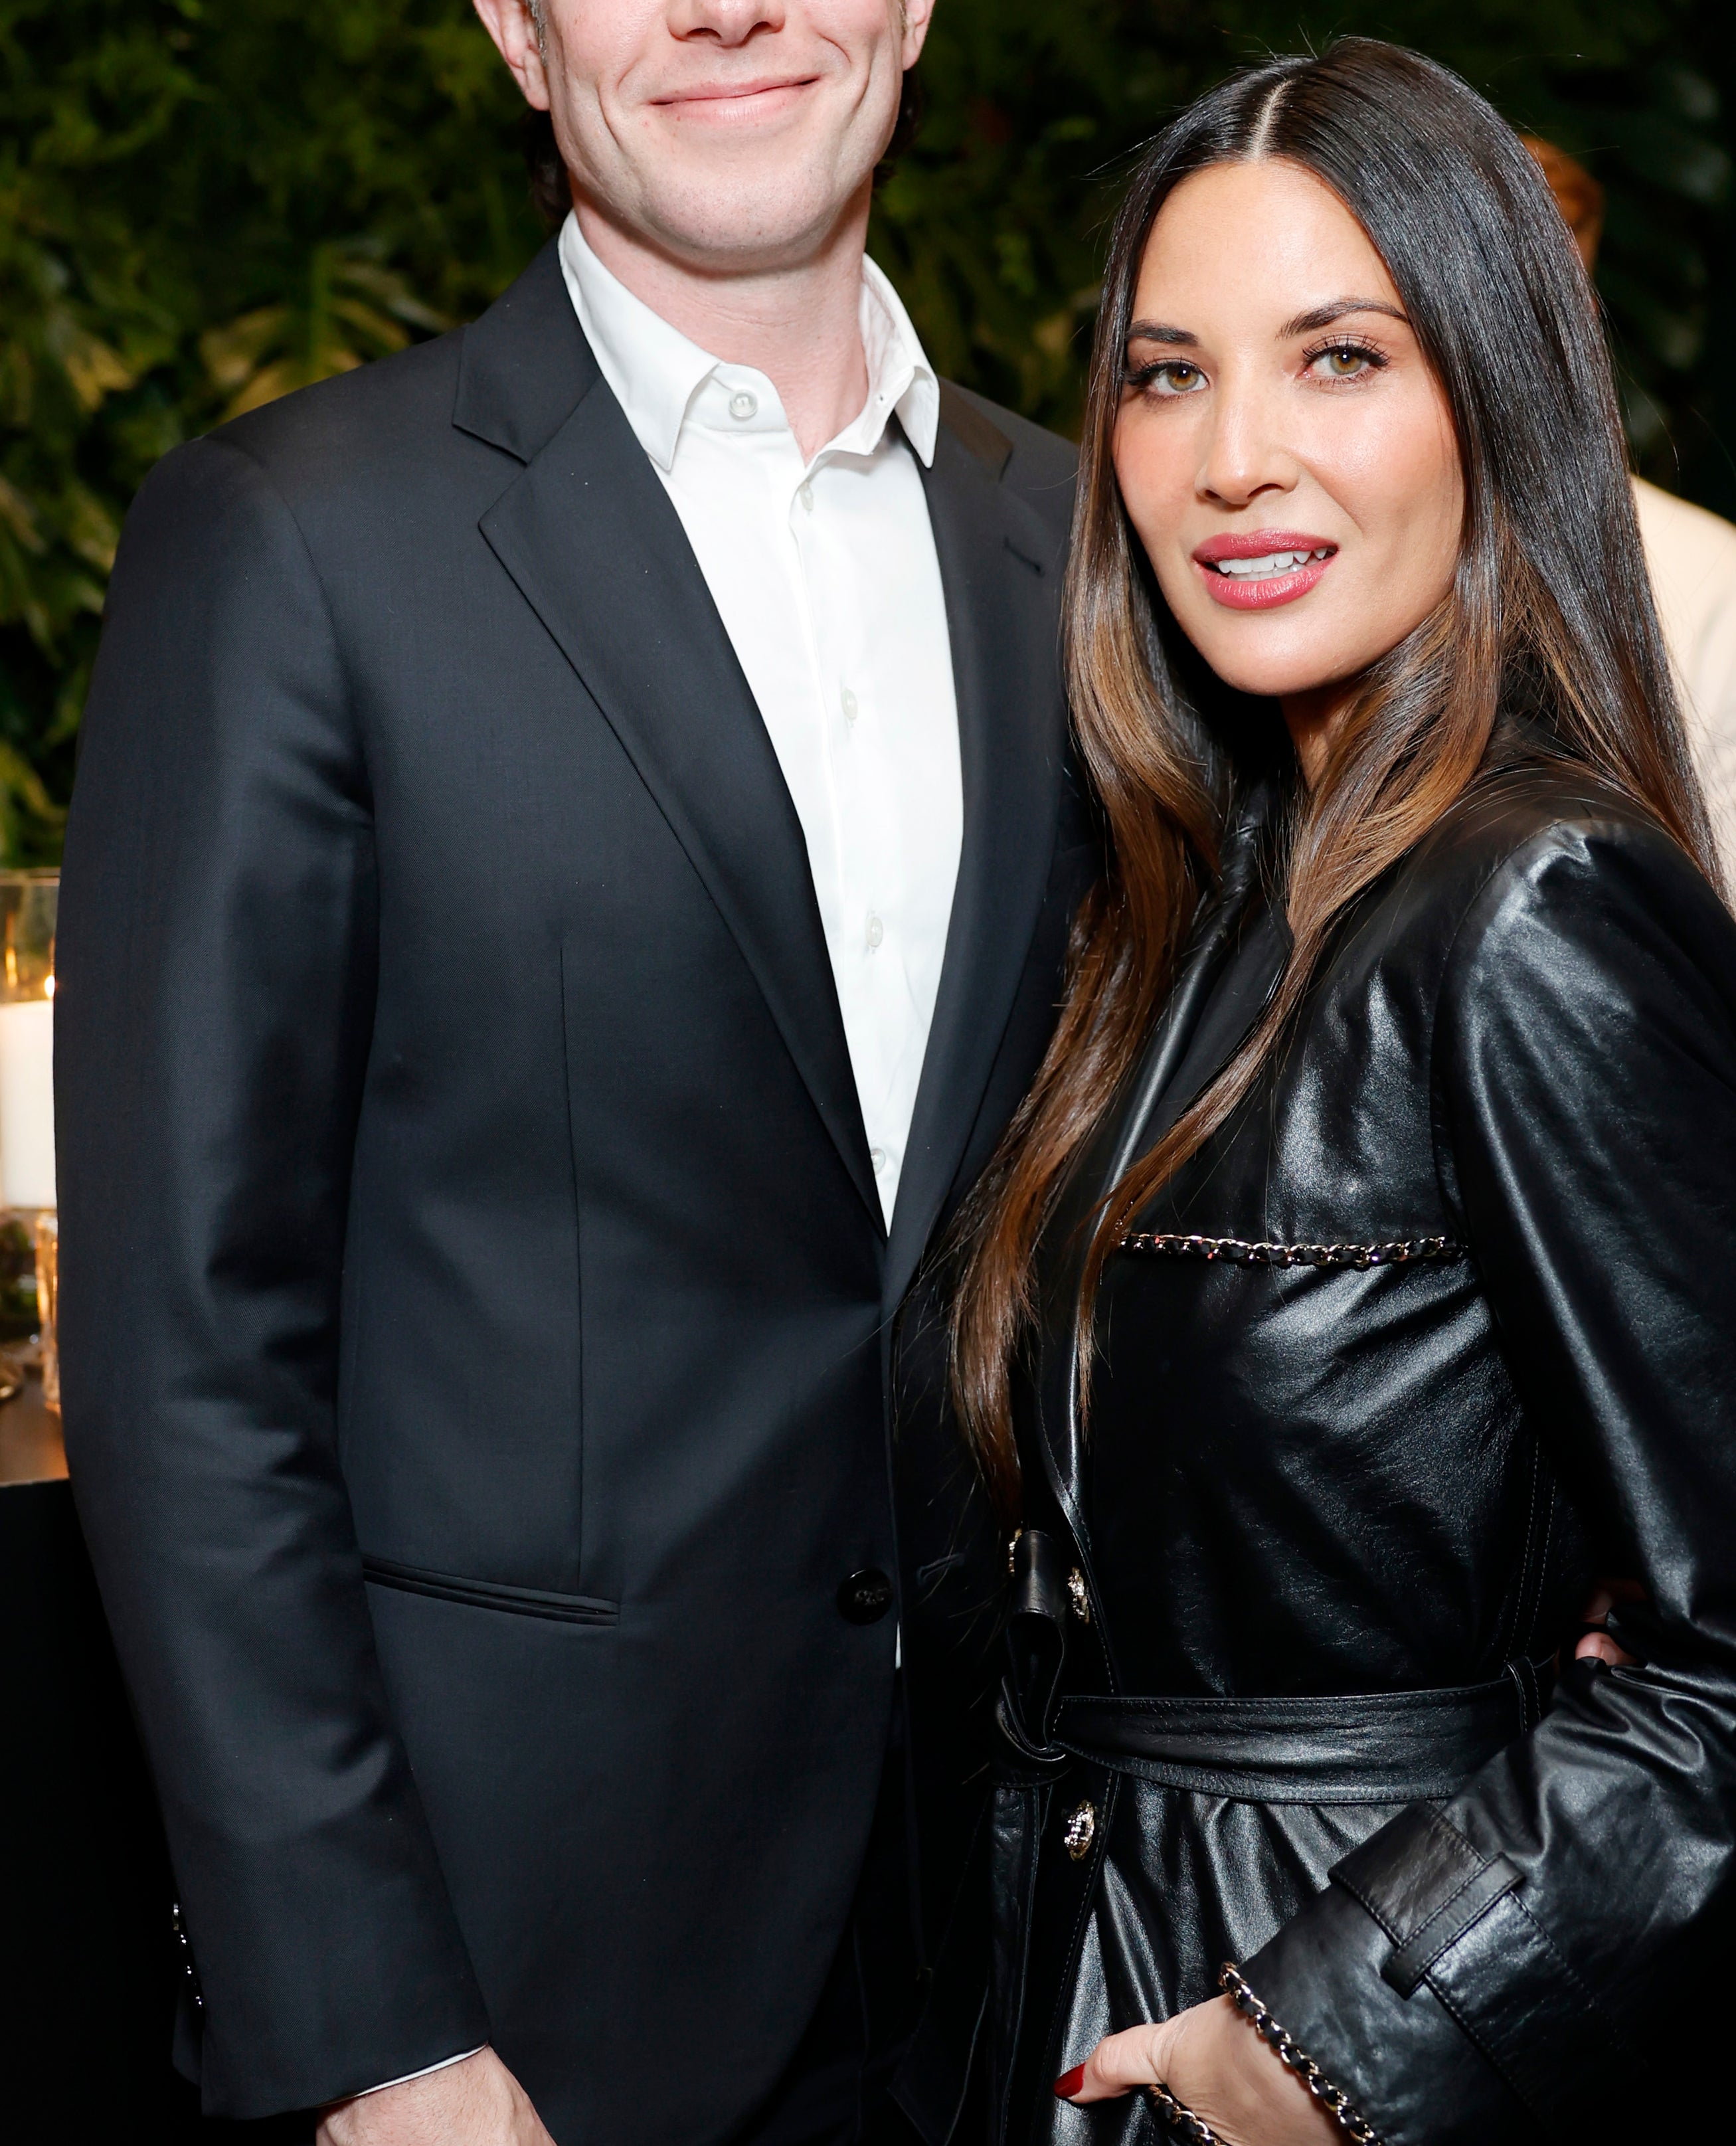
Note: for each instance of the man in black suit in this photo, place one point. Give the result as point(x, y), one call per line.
point(480, 1097)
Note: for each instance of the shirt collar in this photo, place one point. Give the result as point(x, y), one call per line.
point(655, 371)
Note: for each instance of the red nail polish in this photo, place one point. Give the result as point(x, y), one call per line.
point(1069, 2083)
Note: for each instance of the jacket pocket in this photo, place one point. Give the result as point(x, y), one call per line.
point(490, 1594)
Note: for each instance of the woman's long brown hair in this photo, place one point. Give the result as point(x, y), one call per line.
point(1550, 610)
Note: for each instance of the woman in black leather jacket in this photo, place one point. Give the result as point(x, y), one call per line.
point(1359, 1280)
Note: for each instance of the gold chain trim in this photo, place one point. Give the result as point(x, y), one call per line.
point(1239, 1251)
point(1197, 2132)
point(1333, 2099)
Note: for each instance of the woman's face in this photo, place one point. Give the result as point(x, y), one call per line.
point(1284, 451)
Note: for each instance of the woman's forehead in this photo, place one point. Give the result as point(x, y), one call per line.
point(1257, 238)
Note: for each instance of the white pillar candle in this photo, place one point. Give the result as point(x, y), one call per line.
point(26, 1103)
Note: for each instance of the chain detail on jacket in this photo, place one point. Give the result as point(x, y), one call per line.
point(1239, 1251)
point(1197, 2132)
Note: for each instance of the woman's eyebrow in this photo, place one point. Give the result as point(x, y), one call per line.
point(1323, 317)
point(1161, 332)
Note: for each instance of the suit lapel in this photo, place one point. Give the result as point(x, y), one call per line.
point(598, 551)
point(1002, 614)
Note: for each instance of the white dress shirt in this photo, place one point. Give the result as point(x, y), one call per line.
point(1692, 556)
point(825, 576)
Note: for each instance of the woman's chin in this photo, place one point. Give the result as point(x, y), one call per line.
point(1265, 680)
point(1270, 655)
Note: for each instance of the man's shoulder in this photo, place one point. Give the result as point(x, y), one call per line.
point(1037, 462)
point(424, 430)
point(359, 427)
point(366, 470)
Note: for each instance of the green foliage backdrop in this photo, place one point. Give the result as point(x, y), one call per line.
point(203, 203)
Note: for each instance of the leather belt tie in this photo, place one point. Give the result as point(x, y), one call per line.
point(1036, 1650)
point(1362, 1747)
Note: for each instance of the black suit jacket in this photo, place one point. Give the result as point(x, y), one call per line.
point(475, 1297)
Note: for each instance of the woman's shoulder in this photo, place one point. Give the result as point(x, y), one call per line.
point(1534, 810)
point(1558, 847)
point(1541, 878)
point(1546, 886)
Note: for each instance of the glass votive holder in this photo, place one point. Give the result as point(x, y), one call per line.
point(29, 1235)
point(29, 908)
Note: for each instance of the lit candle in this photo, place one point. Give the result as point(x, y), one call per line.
point(27, 1101)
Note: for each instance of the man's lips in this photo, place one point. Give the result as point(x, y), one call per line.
point(1257, 569)
point(725, 99)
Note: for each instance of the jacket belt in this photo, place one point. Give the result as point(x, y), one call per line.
point(1360, 1748)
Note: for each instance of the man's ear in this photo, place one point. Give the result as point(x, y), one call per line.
point(513, 27)
point(918, 14)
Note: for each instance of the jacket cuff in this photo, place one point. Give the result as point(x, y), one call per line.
point(1422, 1983)
point(313, 1977)
point(427, 2071)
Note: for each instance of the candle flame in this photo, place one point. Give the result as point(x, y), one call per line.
point(48, 988)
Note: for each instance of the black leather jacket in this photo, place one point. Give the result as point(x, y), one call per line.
point(1441, 1326)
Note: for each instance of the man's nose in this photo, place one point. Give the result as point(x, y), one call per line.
point(728, 22)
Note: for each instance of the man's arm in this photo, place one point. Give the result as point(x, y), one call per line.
point(216, 983)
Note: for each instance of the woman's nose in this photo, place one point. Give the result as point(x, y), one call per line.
point(1245, 452)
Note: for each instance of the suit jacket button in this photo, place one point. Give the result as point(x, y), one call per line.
point(865, 1597)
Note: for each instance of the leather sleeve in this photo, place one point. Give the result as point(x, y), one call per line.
point(1557, 1913)
point(216, 981)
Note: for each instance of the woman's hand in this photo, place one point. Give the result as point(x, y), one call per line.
point(1599, 1646)
point(1215, 2064)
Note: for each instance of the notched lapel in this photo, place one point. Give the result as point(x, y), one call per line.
point(525, 365)
point(1003, 615)
point(597, 550)
point(975, 430)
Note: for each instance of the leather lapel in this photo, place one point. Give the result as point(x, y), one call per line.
point(1176, 1072)
point(1002, 588)
point(591, 537)
point(1153, 1103)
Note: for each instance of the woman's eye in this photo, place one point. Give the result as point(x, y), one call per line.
point(1170, 377)
point(1344, 361)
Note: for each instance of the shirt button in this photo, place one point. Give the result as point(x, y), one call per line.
point(849, 701)
point(807, 496)
point(877, 1156)
point(743, 406)
point(876, 931)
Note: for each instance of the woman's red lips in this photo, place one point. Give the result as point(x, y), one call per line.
point(1257, 569)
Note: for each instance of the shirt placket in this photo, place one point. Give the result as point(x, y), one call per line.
point(845, 707)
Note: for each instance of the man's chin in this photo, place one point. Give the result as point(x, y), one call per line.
point(736, 222)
